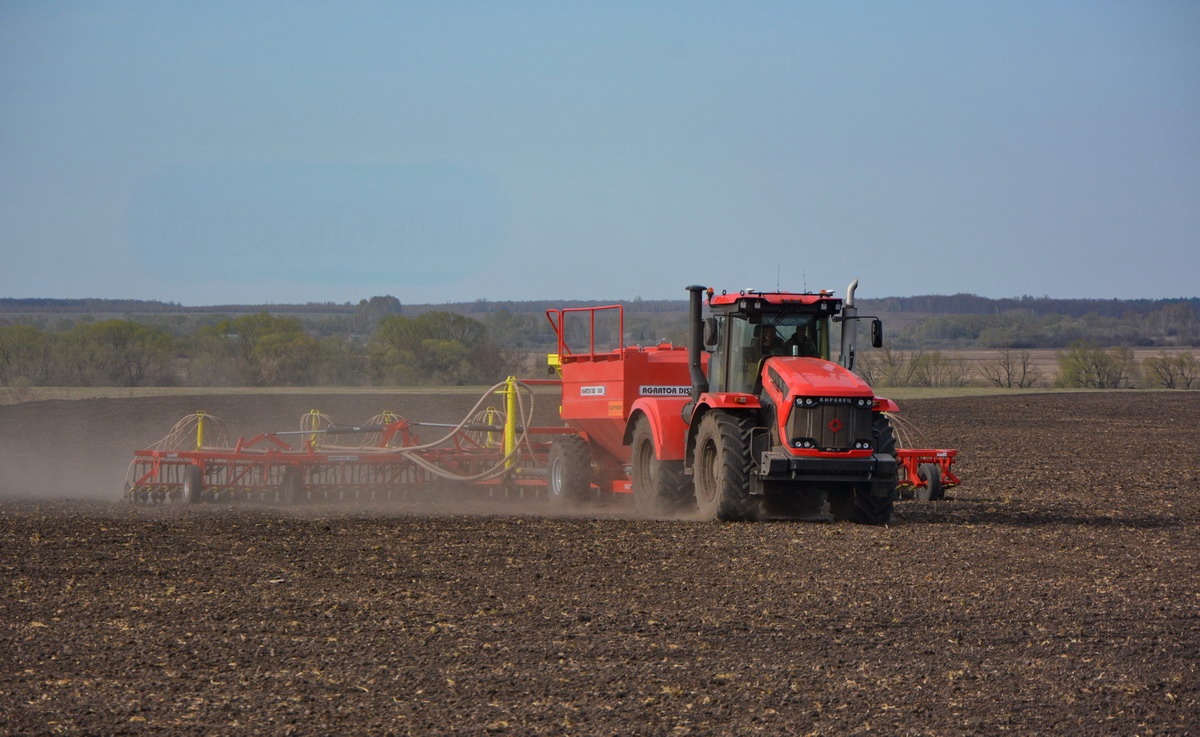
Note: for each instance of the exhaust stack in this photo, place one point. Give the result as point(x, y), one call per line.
point(696, 341)
point(849, 327)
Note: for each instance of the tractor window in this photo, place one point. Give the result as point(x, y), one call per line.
point(751, 340)
point(799, 335)
point(718, 359)
point(745, 350)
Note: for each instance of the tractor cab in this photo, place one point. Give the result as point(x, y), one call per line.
point(747, 328)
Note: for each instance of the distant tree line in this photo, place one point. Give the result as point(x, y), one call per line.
point(380, 342)
point(923, 322)
point(954, 304)
point(1169, 325)
point(1084, 365)
point(257, 350)
point(970, 304)
point(27, 306)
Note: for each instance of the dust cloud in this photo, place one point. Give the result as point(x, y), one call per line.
point(82, 449)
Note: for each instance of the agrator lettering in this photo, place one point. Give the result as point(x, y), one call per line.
point(665, 391)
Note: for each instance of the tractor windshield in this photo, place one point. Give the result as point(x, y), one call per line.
point(751, 340)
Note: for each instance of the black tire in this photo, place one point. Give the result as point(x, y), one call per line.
point(722, 468)
point(932, 490)
point(873, 503)
point(570, 471)
point(660, 488)
point(291, 486)
point(193, 485)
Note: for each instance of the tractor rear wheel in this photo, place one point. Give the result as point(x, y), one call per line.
point(570, 471)
point(659, 487)
point(193, 484)
point(722, 467)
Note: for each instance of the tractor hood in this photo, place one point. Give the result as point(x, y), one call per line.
point(793, 377)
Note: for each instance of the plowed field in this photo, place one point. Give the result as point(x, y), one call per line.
point(1056, 592)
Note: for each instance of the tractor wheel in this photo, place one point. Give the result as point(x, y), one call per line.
point(871, 504)
point(291, 486)
point(722, 468)
point(570, 471)
point(193, 484)
point(932, 474)
point(660, 488)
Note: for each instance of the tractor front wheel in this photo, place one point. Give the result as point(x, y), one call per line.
point(722, 467)
point(570, 471)
point(871, 504)
point(660, 488)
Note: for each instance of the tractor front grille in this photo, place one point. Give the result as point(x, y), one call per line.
point(830, 423)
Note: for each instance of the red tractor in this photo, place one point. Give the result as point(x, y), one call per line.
point(751, 420)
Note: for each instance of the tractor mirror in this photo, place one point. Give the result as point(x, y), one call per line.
point(877, 333)
point(710, 333)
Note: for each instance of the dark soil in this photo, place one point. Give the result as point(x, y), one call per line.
point(1055, 592)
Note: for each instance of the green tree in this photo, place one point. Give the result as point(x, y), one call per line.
point(118, 353)
point(251, 350)
point(432, 348)
point(285, 359)
point(518, 330)
point(340, 362)
point(369, 312)
point(26, 355)
point(1086, 365)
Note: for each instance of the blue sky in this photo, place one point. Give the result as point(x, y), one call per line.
point(261, 152)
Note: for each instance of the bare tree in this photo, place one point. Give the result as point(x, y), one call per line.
point(935, 370)
point(1181, 371)
point(896, 367)
point(1011, 369)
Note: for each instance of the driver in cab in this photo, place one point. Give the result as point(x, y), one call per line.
point(797, 345)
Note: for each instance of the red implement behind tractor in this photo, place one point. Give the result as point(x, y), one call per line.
point(752, 419)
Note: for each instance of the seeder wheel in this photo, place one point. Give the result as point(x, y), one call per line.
point(291, 488)
point(570, 471)
point(193, 484)
point(932, 490)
